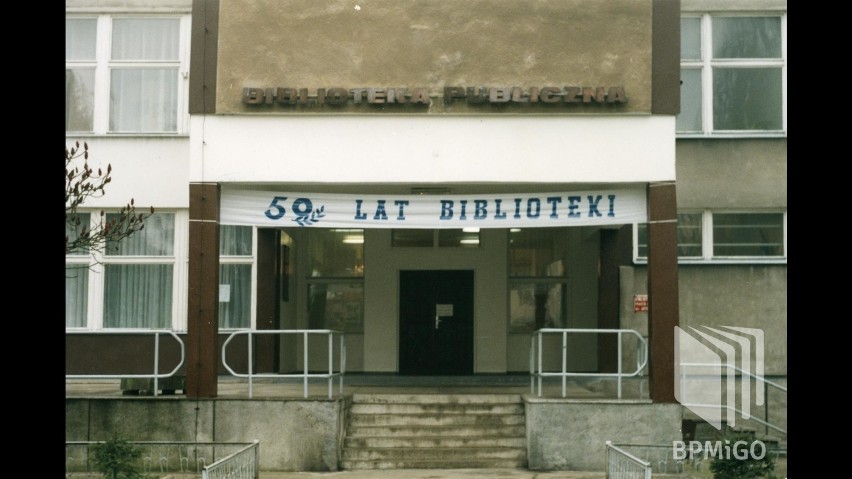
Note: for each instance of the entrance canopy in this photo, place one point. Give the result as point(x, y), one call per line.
point(610, 206)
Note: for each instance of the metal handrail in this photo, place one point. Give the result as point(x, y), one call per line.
point(748, 416)
point(155, 376)
point(242, 464)
point(306, 374)
point(641, 356)
point(619, 461)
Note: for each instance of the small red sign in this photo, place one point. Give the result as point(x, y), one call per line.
point(640, 303)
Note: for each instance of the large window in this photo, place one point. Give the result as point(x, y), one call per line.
point(722, 236)
point(336, 281)
point(537, 281)
point(733, 75)
point(130, 284)
point(125, 74)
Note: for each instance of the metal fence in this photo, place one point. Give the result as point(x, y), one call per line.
point(242, 464)
point(155, 375)
point(620, 464)
point(306, 374)
point(537, 352)
point(157, 456)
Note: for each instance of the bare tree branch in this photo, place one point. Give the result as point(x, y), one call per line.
point(81, 184)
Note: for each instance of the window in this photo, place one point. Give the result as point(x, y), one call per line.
point(537, 281)
point(236, 263)
point(77, 278)
point(428, 238)
point(733, 75)
point(132, 283)
point(720, 236)
point(336, 282)
point(139, 276)
point(124, 74)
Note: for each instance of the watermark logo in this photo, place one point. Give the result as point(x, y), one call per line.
point(708, 362)
point(741, 450)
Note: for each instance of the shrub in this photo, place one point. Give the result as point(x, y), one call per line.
point(117, 459)
point(728, 466)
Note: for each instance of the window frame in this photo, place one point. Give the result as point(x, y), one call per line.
point(97, 262)
point(103, 66)
point(706, 64)
point(548, 281)
point(244, 260)
point(707, 241)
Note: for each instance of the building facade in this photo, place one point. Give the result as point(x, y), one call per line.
point(436, 181)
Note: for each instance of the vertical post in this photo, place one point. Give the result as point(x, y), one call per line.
point(250, 364)
point(618, 336)
point(564, 361)
point(203, 298)
point(305, 355)
point(330, 363)
point(156, 362)
point(342, 355)
point(540, 370)
point(532, 364)
point(662, 288)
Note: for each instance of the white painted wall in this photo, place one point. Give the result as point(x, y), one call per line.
point(152, 171)
point(378, 149)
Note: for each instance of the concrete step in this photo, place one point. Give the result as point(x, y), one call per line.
point(486, 420)
point(436, 408)
point(434, 442)
point(363, 398)
point(517, 430)
point(433, 454)
point(460, 464)
point(433, 431)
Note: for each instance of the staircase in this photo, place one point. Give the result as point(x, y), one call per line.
point(431, 431)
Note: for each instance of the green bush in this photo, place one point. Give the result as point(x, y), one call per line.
point(117, 459)
point(729, 466)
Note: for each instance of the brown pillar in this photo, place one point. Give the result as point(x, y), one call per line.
point(662, 288)
point(203, 315)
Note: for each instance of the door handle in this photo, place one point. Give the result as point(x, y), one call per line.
point(437, 321)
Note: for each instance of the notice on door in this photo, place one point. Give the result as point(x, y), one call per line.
point(444, 310)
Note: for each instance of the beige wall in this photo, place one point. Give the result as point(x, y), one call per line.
point(751, 296)
point(432, 44)
point(735, 173)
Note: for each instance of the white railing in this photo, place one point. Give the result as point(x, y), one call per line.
point(620, 464)
point(306, 374)
point(242, 464)
point(156, 375)
point(715, 375)
point(537, 347)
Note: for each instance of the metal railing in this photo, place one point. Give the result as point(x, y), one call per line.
point(620, 464)
point(306, 374)
point(242, 464)
point(744, 414)
point(156, 375)
point(538, 347)
point(162, 456)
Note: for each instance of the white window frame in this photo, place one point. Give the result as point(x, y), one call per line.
point(252, 260)
point(707, 241)
point(97, 260)
point(706, 64)
point(103, 65)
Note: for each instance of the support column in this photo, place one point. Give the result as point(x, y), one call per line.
point(202, 353)
point(662, 288)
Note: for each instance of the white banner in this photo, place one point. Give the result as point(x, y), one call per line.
point(510, 210)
